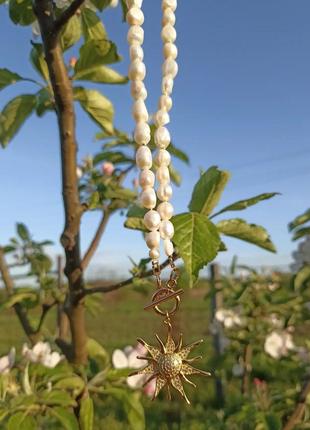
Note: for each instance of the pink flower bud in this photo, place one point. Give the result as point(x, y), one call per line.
point(72, 62)
point(149, 389)
point(107, 168)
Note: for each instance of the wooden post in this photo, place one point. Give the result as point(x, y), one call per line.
point(216, 303)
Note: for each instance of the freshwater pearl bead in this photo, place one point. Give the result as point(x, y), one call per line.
point(162, 137)
point(165, 210)
point(151, 220)
point(168, 33)
point(170, 68)
point(135, 16)
point(170, 50)
point(168, 247)
point(139, 111)
point(172, 4)
point(135, 35)
point(148, 198)
point(164, 192)
point(154, 254)
point(137, 70)
point(167, 85)
point(144, 157)
point(168, 17)
point(161, 118)
point(133, 3)
point(166, 229)
point(162, 158)
point(147, 179)
point(165, 102)
point(152, 239)
point(142, 133)
point(136, 52)
point(138, 90)
point(162, 174)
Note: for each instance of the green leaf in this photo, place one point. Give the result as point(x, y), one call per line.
point(243, 204)
point(57, 398)
point(44, 102)
point(87, 414)
point(71, 383)
point(273, 422)
point(93, 200)
point(197, 240)
point(71, 33)
point(132, 406)
point(98, 107)
point(97, 351)
point(175, 175)
point(208, 190)
point(92, 26)
point(7, 78)
point(22, 231)
point(14, 115)
point(22, 421)
point(302, 276)
point(251, 233)
point(65, 417)
point(301, 232)
point(101, 4)
point(136, 211)
point(178, 153)
point(21, 12)
point(135, 223)
point(120, 193)
point(299, 220)
point(95, 53)
point(37, 59)
point(101, 75)
point(115, 157)
point(124, 8)
point(20, 297)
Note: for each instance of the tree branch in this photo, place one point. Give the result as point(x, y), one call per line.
point(118, 285)
point(45, 309)
point(67, 14)
point(19, 310)
point(96, 240)
point(299, 410)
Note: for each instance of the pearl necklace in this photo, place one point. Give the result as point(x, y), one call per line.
point(157, 221)
point(168, 363)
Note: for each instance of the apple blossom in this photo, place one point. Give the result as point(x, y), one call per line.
point(278, 344)
point(7, 361)
point(42, 353)
point(107, 168)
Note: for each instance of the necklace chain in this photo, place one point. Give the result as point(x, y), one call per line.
point(157, 218)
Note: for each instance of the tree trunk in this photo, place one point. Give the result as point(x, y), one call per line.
point(63, 95)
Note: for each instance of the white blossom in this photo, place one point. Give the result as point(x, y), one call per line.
point(127, 358)
point(42, 353)
point(278, 344)
point(7, 362)
point(114, 3)
point(228, 317)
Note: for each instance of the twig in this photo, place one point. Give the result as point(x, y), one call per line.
point(67, 14)
point(299, 410)
point(96, 240)
point(9, 286)
point(118, 285)
point(45, 309)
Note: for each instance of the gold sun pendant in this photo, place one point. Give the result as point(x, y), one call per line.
point(169, 365)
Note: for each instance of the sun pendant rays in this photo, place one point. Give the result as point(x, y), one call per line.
point(169, 365)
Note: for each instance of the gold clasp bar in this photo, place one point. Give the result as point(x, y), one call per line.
point(163, 295)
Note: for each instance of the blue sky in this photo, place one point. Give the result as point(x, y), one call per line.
point(241, 101)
